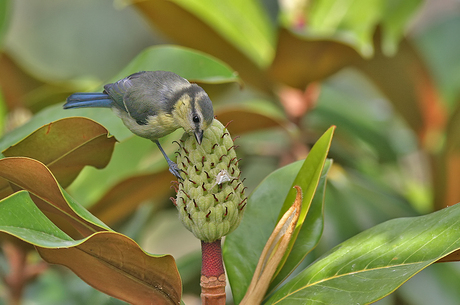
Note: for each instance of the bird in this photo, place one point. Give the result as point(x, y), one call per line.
point(152, 104)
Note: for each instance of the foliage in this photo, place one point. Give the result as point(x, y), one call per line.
point(283, 72)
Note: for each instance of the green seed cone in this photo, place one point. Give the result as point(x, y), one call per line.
point(210, 199)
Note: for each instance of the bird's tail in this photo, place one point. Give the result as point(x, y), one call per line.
point(88, 99)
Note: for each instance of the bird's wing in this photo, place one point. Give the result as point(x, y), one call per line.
point(128, 97)
point(146, 94)
point(117, 91)
point(134, 95)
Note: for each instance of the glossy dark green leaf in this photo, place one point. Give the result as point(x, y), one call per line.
point(243, 247)
point(308, 178)
point(376, 262)
point(310, 233)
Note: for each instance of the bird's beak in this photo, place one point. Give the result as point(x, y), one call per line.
point(199, 136)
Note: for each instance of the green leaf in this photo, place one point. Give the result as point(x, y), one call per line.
point(90, 40)
point(108, 261)
point(188, 30)
point(33, 176)
point(242, 22)
point(242, 249)
point(308, 178)
point(438, 44)
point(310, 233)
point(340, 31)
point(353, 22)
point(395, 18)
point(105, 117)
point(119, 202)
point(310, 174)
point(5, 13)
point(20, 217)
point(376, 262)
point(407, 83)
point(349, 21)
point(344, 103)
point(132, 158)
point(193, 65)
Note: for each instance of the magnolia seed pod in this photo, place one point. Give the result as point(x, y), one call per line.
point(211, 198)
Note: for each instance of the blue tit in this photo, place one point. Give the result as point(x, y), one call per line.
point(153, 104)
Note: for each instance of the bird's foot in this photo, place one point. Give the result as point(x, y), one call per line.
point(174, 169)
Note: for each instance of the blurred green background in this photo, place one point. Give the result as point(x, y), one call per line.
point(386, 73)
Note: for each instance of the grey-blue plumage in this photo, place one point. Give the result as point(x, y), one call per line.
point(152, 104)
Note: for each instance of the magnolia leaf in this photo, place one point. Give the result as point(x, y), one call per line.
point(116, 265)
point(309, 179)
point(66, 146)
point(189, 30)
point(108, 261)
point(123, 198)
point(250, 117)
point(273, 252)
point(299, 62)
point(241, 251)
point(351, 22)
point(405, 79)
point(309, 235)
point(5, 13)
point(193, 65)
point(244, 23)
point(34, 177)
point(374, 263)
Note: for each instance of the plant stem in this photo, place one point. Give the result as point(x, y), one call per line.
point(212, 274)
point(21, 272)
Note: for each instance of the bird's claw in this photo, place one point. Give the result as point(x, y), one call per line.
point(174, 169)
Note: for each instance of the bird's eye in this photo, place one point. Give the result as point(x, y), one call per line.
point(196, 119)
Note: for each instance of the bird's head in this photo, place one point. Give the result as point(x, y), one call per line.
point(194, 111)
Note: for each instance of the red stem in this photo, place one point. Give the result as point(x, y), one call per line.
point(212, 274)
